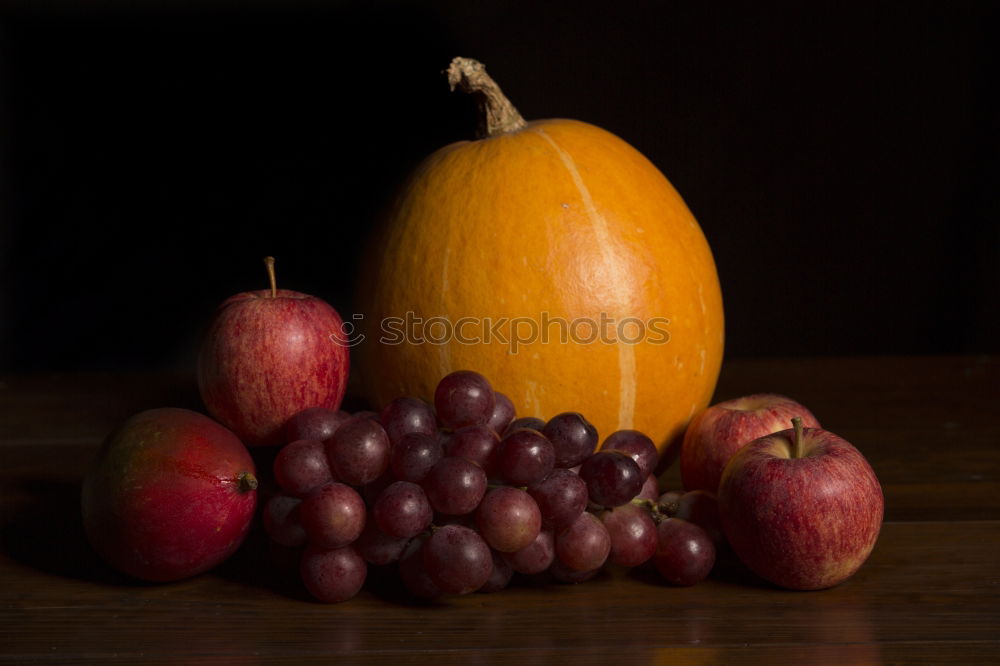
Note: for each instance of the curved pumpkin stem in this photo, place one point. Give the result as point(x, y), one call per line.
point(496, 114)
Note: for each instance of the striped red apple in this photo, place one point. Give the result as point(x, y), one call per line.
point(716, 434)
point(268, 355)
point(801, 508)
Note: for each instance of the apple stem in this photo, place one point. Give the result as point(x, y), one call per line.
point(246, 482)
point(797, 438)
point(269, 263)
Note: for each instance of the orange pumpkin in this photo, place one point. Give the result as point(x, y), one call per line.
point(545, 225)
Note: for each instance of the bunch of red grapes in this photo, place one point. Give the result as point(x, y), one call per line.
point(462, 495)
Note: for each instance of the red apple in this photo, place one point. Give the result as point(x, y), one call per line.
point(171, 494)
point(714, 435)
point(802, 508)
point(268, 355)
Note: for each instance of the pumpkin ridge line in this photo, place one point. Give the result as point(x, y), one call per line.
point(444, 351)
point(626, 352)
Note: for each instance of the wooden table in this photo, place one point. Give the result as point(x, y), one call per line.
point(929, 593)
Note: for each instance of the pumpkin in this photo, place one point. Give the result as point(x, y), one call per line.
point(556, 260)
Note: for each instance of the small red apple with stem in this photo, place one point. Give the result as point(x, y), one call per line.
point(268, 355)
point(170, 495)
point(714, 435)
point(801, 508)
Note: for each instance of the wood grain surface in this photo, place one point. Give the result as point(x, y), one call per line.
point(930, 592)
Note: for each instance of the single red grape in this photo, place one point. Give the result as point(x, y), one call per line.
point(637, 445)
point(585, 544)
point(455, 486)
point(332, 576)
point(612, 478)
point(525, 457)
point(572, 437)
point(457, 559)
point(632, 532)
point(301, 466)
point(407, 415)
point(508, 519)
point(359, 451)
point(536, 557)
point(403, 510)
point(561, 497)
point(463, 398)
point(478, 443)
point(332, 516)
point(684, 553)
point(414, 456)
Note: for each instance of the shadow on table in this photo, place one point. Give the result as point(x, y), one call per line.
point(260, 564)
point(728, 569)
point(263, 564)
point(46, 533)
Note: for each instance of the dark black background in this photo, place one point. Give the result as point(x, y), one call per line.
point(842, 158)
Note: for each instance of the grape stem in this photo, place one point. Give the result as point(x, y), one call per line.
point(659, 512)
